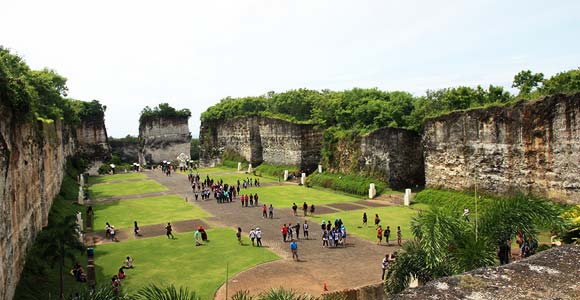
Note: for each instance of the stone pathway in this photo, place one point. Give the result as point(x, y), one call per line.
point(356, 265)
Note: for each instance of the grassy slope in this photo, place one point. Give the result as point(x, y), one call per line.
point(283, 196)
point(179, 262)
point(392, 216)
point(146, 211)
point(103, 190)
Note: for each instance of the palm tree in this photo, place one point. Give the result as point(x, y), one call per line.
point(59, 242)
point(445, 245)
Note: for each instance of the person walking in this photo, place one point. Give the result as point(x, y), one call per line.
point(136, 229)
point(387, 234)
point(290, 231)
point(305, 226)
point(284, 232)
point(264, 211)
point(169, 231)
point(294, 248)
point(256, 199)
point(379, 234)
point(377, 220)
point(297, 230)
point(271, 211)
point(312, 209)
point(258, 237)
point(365, 219)
point(399, 235)
point(294, 208)
point(385, 265)
point(252, 236)
point(239, 235)
point(305, 208)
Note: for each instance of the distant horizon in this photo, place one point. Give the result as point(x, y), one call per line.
point(191, 54)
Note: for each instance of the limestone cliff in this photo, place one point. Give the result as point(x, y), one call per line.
point(127, 151)
point(92, 139)
point(32, 166)
point(392, 154)
point(260, 139)
point(532, 147)
point(163, 139)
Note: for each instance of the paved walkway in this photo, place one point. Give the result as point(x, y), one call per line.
point(356, 265)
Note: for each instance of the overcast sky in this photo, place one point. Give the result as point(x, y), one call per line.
point(191, 54)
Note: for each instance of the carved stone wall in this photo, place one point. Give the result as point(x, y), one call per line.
point(531, 147)
point(163, 139)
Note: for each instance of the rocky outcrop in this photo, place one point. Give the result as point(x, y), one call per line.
point(33, 156)
point(551, 274)
point(260, 139)
point(32, 161)
point(163, 139)
point(127, 151)
point(392, 154)
point(531, 147)
point(92, 139)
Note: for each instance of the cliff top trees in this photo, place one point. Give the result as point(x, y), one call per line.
point(40, 94)
point(163, 110)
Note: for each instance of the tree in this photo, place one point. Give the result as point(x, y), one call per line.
point(564, 82)
point(59, 242)
point(194, 152)
point(445, 244)
point(526, 81)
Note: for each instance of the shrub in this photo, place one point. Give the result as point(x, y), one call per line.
point(276, 170)
point(352, 184)
point(104, 169)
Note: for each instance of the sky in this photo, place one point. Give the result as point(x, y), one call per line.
point(191, 54)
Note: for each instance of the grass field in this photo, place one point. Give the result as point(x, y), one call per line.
point(283, 196)
point(179, 261)
point(206, 171)
point(146, 211)
point(120, 177)
point(103, 190)
point(392, 216)
point(233, 178)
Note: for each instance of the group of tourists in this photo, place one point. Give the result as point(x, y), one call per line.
point(110, 232)
point(267, 212)
point(333, 236)
point(252, 199)
point(289, 231)
point(79, 273)
point(116, 279)
point(386, 233)
point(256, 235)
point(304, 209)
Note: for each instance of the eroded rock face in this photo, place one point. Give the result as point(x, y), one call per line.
point(551, 274)
point(260, 139)
point(92, 139)
point(32, 164)
point(531, 147)
point(163, 139)
point(127, 151)
point(392, 154)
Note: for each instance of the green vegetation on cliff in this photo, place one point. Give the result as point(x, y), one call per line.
point(40, 94)
point(163, 111)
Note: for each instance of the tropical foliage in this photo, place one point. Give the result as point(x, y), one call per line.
point(33, 94)
point(446, 244)
point(164, 111)
point(352, 184)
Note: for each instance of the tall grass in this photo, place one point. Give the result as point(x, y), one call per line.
point(352, 184)
point(276, 170)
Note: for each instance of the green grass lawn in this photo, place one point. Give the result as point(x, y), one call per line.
point(146, 211)
point(180, 262)
point(120, 177)
point(103, 190)
point(233, 178)
point(392, 216)
point(206, 171)
point(283, 196)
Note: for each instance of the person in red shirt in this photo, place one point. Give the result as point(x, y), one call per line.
point(379, 234)
point(284, 232)
point(264, 211)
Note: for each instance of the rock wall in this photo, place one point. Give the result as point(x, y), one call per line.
point(92, 139)
point(128, 151)
point(532, 147)
point(163, 139)
point(392, 154)
point(32, 163)
point(260, 139)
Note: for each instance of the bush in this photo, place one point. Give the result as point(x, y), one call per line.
point(352, 184)
point(104, 169)
point(276, 170)
point(571, 232)
point(451, 199)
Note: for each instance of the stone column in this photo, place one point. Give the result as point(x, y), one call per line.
point(372, 191)
point(285, 175)
point(407, 200)
point(239, 166)
point(80, 220)
point(303, 179)
point(249, 168)
point(319, 168)
point(81, 198)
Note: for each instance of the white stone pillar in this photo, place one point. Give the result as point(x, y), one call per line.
point(239, 166)
point(407, 200)
point(319, 168)
point(372, 191)
point(249, 168)
point(81, 199)
point(82, 180)
point(80, 220)
point(285, 175)
point(303, 179)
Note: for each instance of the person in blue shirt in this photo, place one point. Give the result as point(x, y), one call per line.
point(294, 248)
